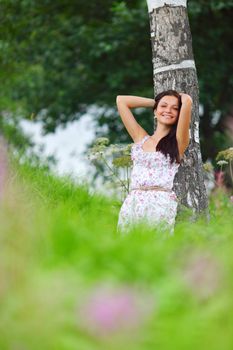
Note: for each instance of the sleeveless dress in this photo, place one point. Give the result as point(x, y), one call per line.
point(154, 207)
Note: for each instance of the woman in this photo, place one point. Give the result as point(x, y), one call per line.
point(156, 159)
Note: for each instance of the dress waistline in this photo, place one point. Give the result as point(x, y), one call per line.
point(148, 188)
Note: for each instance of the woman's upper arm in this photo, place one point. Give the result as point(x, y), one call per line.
point(182, 132)
point(134, 129)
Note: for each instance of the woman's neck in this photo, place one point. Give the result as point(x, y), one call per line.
point(161, 131)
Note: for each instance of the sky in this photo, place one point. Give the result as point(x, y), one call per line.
point(68, 144)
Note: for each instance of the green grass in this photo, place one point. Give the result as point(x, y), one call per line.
point(59, 243)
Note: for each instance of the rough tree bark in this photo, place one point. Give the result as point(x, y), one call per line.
point(174, 68)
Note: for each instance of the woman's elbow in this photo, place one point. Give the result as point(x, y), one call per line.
point(118, 98)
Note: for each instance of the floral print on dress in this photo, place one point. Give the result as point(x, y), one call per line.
point(156, 208)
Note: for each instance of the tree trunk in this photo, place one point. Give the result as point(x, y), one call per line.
point(174, 68)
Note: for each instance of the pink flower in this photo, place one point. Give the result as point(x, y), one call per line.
point(202, 275)
point(231, 199)
point(109, 310)
point(3, 166)
point(219, 177)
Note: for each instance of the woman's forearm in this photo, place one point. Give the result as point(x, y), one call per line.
point(135, 101)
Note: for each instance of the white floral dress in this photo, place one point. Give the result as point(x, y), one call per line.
point(157, 208)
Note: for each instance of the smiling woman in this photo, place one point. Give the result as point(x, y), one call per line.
point(156, 159)
point(173, 121)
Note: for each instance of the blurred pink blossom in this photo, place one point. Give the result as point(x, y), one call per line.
point(203, 275)
point(3, 166)
point(109, 310)
point(219, 178)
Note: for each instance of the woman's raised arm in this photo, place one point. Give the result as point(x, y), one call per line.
point(124, 103)
point(182, 131)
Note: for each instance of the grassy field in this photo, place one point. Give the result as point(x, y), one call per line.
point(70, 282)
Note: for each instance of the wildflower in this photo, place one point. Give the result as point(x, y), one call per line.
point(202, 275)
point(3, 166)
point(93, 156)
point(118, 155)
point(219, 177)
point(124, 161)
point(222, 162)
point(231, 199)
point(108, 311)
point(103, 141)
point(127, 149)
point(227, 154)
point(208, 167)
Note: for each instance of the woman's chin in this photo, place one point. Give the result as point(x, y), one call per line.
point(168, 123)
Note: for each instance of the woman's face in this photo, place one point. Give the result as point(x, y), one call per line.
point(167, 111)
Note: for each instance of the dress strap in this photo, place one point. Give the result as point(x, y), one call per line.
point(144, 139)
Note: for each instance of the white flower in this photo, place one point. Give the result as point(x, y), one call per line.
point(222, 162)
point(102, 141)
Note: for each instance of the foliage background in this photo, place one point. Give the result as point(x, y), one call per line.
point(60, 58)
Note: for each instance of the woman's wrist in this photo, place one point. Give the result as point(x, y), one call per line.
point(186, 99)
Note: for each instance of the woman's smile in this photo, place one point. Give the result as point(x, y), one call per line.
point(167, 115)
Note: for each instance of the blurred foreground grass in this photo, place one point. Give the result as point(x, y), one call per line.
point(68, 281)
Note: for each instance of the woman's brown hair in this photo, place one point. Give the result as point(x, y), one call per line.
point(168, 144)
